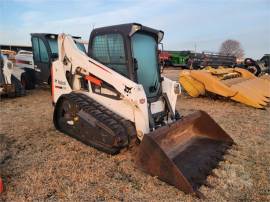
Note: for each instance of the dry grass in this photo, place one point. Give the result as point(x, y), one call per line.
point(39, 163)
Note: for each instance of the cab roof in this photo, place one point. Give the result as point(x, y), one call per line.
point(129, 29)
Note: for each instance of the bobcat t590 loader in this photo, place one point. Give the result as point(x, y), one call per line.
point(116, 94)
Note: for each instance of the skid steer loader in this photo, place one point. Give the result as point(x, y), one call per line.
point(235, 83)
point(10, 86)
point(116, 94)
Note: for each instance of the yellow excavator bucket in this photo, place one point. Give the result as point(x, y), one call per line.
point(235, 83)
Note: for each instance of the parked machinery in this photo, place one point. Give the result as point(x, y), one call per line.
point(116, 94)
point(9, 85)
point(235, 83)
point(164, 58)
point(180, 58)
point(258, 67)
point(35, 66)
point(192, 60)
point(175, 58)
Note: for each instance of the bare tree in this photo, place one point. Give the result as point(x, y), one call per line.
point(231, 47)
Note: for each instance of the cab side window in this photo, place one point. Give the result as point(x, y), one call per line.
point(109, 50)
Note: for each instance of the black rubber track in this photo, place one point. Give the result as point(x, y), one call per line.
point(123, 129)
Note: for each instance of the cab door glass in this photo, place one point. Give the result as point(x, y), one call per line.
point(44, 57)
point(53, 45)
point(144, 48)
point(36, 49)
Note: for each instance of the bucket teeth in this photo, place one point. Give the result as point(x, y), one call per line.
point(199, 175)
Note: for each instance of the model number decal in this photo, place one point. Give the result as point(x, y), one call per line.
point(60, 82)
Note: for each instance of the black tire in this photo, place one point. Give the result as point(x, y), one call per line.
point(19, 88)
point(252, 66)
point(177, 115)
point(249, 61)
point(167, 63)
point(256, 70)
point(27, 82)
point(49, 81)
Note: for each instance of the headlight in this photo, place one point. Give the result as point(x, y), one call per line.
point(160, 36)
point(135, 28)
point(177, 88)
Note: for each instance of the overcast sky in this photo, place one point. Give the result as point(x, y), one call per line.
point(187, 23)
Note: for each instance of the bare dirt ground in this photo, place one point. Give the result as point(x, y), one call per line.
point(41, 164)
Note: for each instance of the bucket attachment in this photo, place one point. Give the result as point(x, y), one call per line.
point(184, 153)
point(238, 84)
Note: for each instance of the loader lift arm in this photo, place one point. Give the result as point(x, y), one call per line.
point(84, 65)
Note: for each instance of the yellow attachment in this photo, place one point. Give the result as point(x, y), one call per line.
point(192, 86)
point(238, 84)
